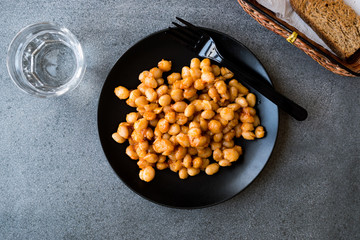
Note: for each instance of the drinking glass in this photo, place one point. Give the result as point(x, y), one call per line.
point(45, 60)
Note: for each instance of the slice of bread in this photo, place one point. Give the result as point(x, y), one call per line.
point(335, 22)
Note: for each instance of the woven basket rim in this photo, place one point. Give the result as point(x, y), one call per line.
point(306, 41)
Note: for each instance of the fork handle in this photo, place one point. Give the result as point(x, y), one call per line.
point(258, 82)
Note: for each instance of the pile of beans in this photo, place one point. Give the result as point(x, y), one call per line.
point(181, 123)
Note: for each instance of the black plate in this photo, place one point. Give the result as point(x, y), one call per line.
point(167, 189)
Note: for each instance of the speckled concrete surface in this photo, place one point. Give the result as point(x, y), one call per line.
point(55, 182)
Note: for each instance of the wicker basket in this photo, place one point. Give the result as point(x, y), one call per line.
point(321, 55)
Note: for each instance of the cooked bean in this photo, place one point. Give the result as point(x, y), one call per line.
point(144, 145)
point(215, 145)
point(246, 127)
point(118, 138)
point(148, 174)
point(205, 152)
point(192, 151)
point(184, 129)
point(183, 174)
point(244, 117)
point(249, 110)
point(233, 93)
point(185, 72)
point(224, 163)
point(207, 77)
point(218, 137)
point(164, 65)
point(150, 94)
point(193, 171)
point(234, 106)
point(218, 154)
point(216, 70)
point(205, 62)
point(256, 121)
point(162, 165)
point(242, 102)
point(194, 124)
point(220, 87)
point(141, 153)
point(187, 161)
point(123, 131)
point(228, 144)
point(190, 92)
point(141, 101)
point(156, 72)
point(194, 132)
point(227, 113)
point(204, 96)
point(238, 130)
point(173, 78)
point(205, 163)
point(160, 81)
point(199, 84)
point(199, 141)
point(150, 82)
point(238, 149)
point(183, 140)
point(229, 136)
point(141, 124)
point(214, 94)
point(226, 73)
point(203, 124)
point(170, 116)
point(144, 74)
point(134, 94)
point(132, 117)
point(130, 151)
point(231, 154)
point(251, 99)
point(174, 129)
point(212, 169)
point(142, 87)
point(207, 69)
point(151, 158)
point(215, 126)
point(162, 90)
point(175, 166)
point(197, 162)
point(207, 114)
point(163, 125)
point(165, 100)
point(259, 132)
point(149, 116)
point(195, 63)
point(122, 92)
point(195, 73)
point(180, 153)
point(177, 95)
point(248, 135)
point(181, 119)
point(189, 110)
point(179, 106)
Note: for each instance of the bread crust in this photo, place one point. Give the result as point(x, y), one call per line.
point(341, 32)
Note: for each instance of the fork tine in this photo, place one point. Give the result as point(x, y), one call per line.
point(187, 23)
point(189, 31)
point(184, 39)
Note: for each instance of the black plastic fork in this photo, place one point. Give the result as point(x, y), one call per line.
point(203, 45)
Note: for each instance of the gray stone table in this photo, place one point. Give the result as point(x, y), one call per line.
point(55, 182)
